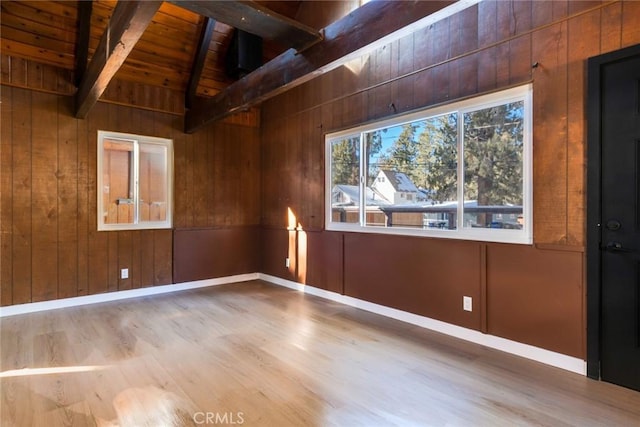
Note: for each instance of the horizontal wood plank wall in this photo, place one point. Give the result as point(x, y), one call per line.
point(489, 46)
point(50, 244)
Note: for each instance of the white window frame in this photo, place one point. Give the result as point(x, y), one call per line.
point(136, 140)
point(523, 236)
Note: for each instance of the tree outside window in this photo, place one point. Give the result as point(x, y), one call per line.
point(463, 167)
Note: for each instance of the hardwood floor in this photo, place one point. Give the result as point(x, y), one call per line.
point(260, 355)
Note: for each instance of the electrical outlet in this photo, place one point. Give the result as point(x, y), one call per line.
point(124, 273)
point(467, 303)
point(286, 262)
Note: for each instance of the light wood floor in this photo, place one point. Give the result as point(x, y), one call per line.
point(259, 355)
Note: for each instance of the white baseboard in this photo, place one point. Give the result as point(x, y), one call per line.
point(33, 307)
point(538, 354)
point(524, 350)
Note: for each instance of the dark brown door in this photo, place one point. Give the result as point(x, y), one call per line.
point(620, 222)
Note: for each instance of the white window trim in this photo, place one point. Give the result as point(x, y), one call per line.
point(147, 225)
point(525, 236)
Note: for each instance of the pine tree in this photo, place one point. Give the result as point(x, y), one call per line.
point(493, 141)
point(427, 152)
point(373, 142)
point(401, 156)
point(493, 149)
point(345, 161)
point(345, 157)
point(437, 158)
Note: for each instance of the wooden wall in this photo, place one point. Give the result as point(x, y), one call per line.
point(50, 246)
point(532, 294)
point(238, 188)
point(28, 74)
point(319, 16)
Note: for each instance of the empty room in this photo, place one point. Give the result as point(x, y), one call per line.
point(320, 213)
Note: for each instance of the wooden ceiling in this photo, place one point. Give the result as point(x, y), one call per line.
point(46, 31)
point(180, 45)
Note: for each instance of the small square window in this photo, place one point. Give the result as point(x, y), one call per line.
point(135, 181)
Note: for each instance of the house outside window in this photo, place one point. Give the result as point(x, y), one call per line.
point(135, 182)
point(462, 171)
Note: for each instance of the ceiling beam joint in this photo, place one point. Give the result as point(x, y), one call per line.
point(256, 19)
point(367, 28)
point(127, 24)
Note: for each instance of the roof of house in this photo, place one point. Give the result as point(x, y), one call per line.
point(373, 198)
point(400, 181)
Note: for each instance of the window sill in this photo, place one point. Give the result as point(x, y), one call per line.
point(522, 237)
point(129, 227)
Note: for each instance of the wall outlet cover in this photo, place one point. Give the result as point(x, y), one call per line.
point(467, 303)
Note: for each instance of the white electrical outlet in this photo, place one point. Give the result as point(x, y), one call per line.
point(124, 273)
point(286, 262)
point(467, 303)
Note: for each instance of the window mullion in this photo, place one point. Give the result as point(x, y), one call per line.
point(363, 181)
point(136, 182)
point(460, 163)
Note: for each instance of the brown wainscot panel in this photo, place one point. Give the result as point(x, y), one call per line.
point(320, 260)
point(207, 253)
point(315, 257)
point(535, 296)
point(424, 276)
point(277, 245)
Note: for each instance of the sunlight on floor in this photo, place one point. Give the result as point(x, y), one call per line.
point(25, 372)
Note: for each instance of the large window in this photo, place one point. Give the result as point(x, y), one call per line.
point(135, 176)
point(458, 171)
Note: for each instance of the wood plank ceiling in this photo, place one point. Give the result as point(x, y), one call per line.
point(181, 45)
point(46, 31)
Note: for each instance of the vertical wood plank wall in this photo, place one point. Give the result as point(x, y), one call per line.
point(532, 294)
point(50, 246)
point(237, 184)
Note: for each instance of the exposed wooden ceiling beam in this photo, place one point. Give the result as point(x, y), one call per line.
point(365, 29)
point(83, 34)
point(256, 19)
point(128, 21)
point(198, 63)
